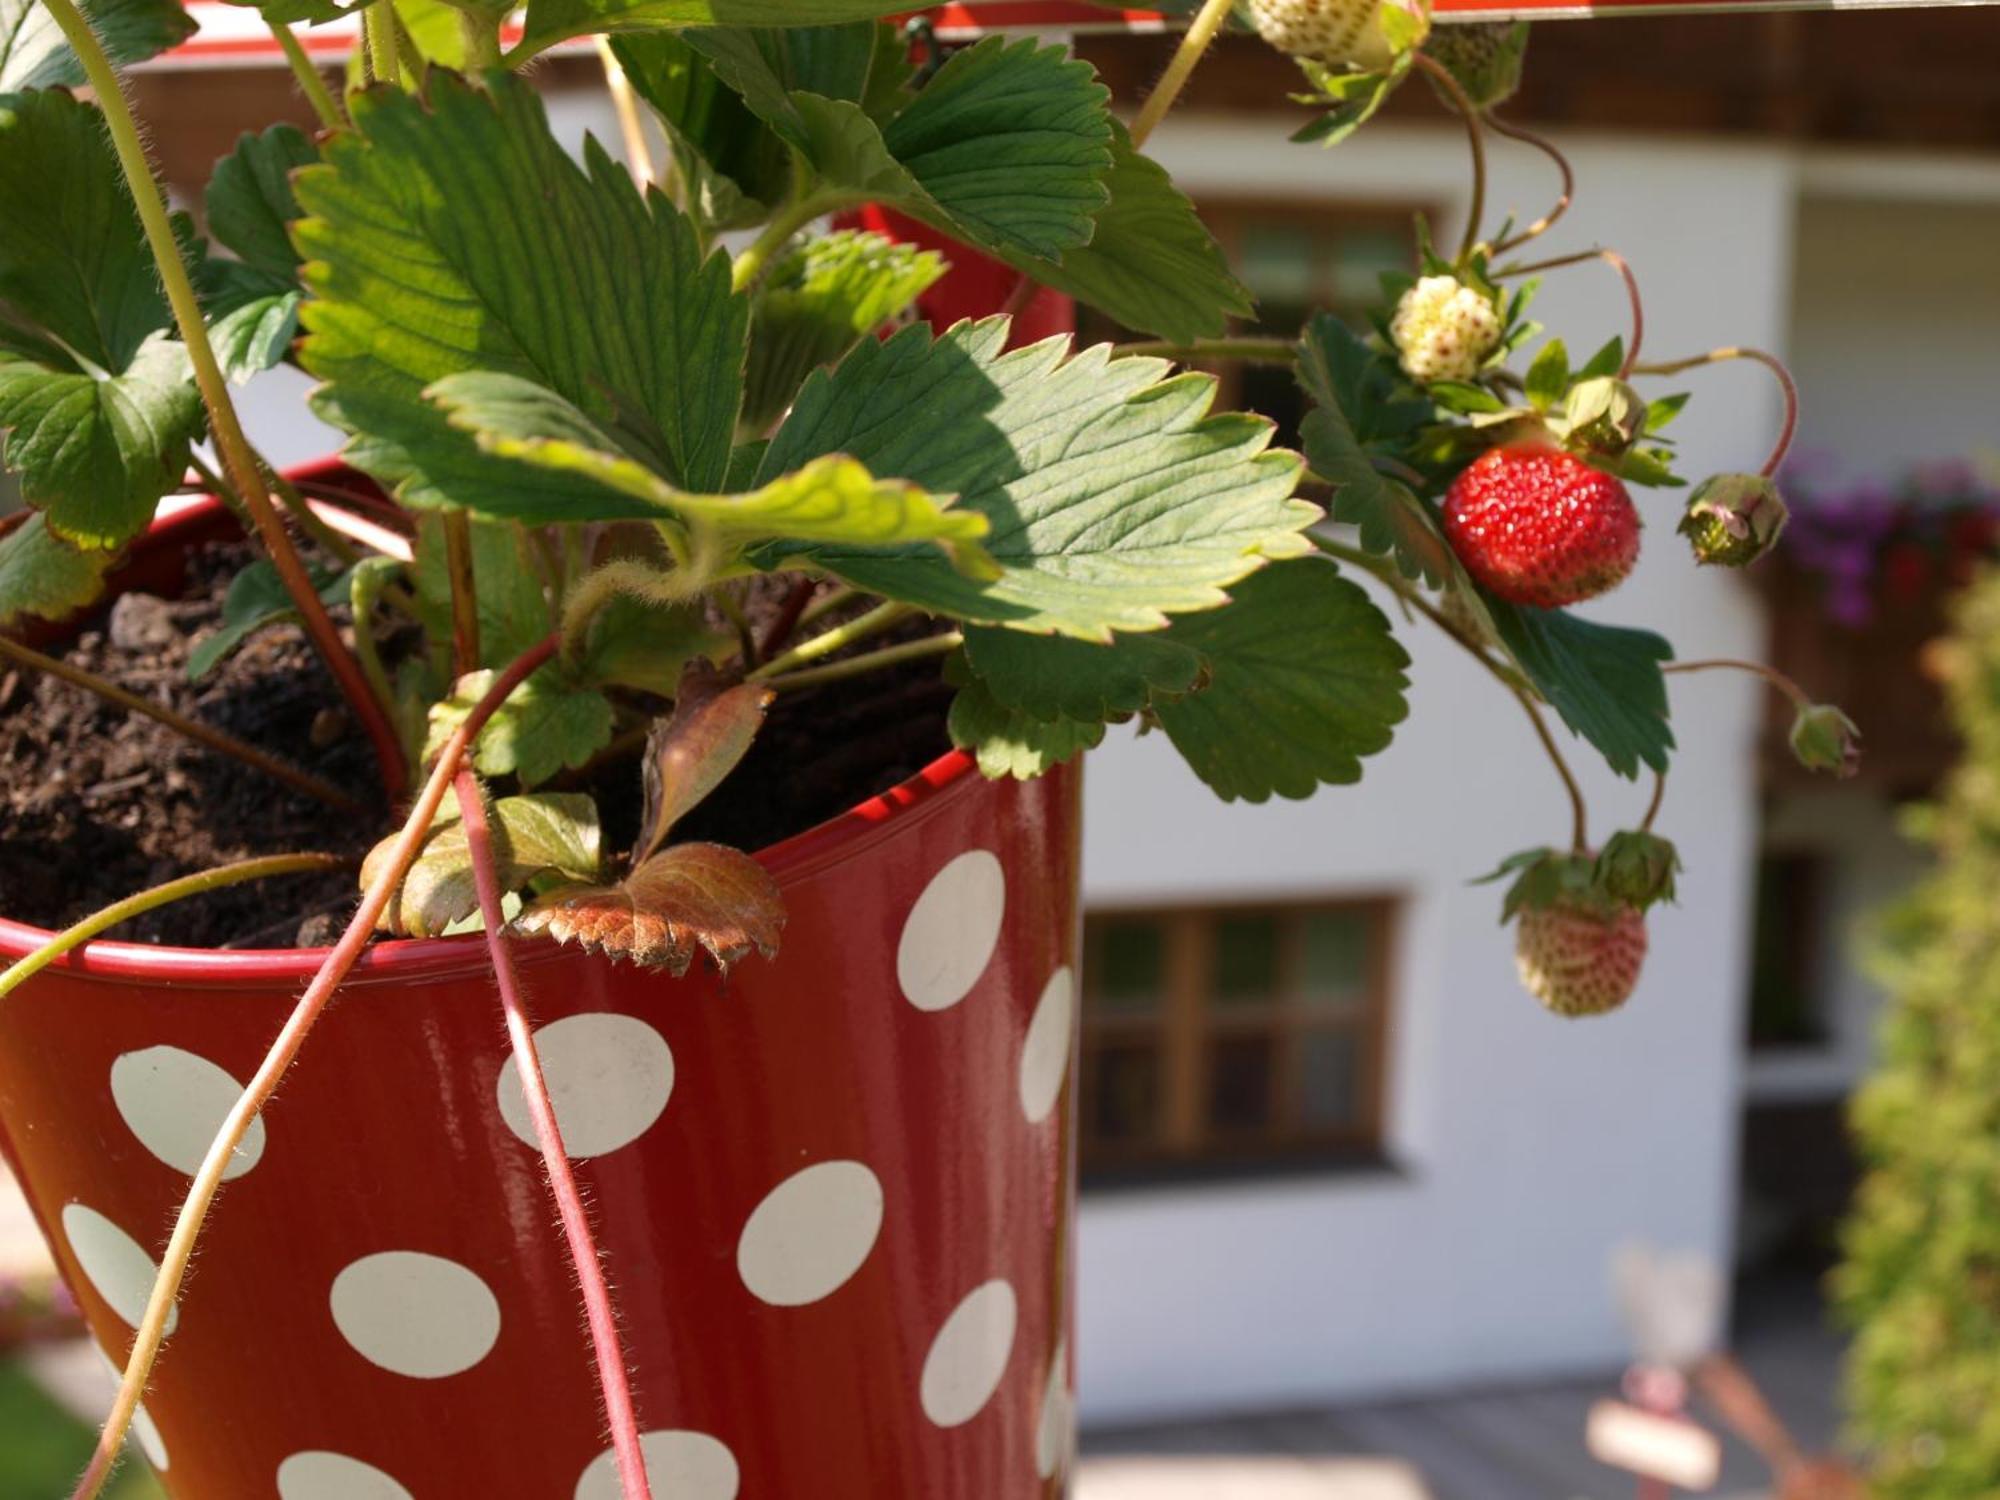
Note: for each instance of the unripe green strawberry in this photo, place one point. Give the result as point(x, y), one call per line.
point(1604, 415)
point(1444, 330)
point(1734, 519)
point(1485, 58)
point(1580, 958)
point(1825, 739)
point(1637, 868)
point(1540, 527)
point(1340, 33)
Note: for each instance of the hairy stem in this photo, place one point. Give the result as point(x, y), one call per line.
point(631, 125)
point(872, 661)
point(76, 935)
point(1206, 26)
point(312, 83)
point(1549, 149)
point(383, 65)
point(1771, 362)
point(464, 592)
point(1475, 135)
point(754, 262)
point(1659, 800)
point(312, 1004)
point(1272, 351)
point(364, 592)
point(585, 1257)
point(204, 734)
point(1617, 263)
point(480, 31)
point(859, 628)
point(1579, 834)
point(238, 460)
point(1771, 675)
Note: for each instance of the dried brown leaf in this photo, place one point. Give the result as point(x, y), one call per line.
point(715, 718)
point(685, 899)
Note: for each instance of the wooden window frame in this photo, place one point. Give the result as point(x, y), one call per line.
point(1189, 1022)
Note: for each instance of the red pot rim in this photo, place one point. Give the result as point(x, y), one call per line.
point(839, 837)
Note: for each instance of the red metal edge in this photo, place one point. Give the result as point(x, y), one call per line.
point(951, 775)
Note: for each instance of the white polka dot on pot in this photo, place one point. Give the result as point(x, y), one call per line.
point(1045, 1051)
point(680, 1465)
point(117, 1267)
point(951, 932)
point(318, 1475)
point(1055, 1428)
point(811, 1233)
point(610, 1077)
point(144, 1429)
point(415, 1314)
point(969, 1355)
point(175, 1101)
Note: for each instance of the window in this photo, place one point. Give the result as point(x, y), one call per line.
point(1233, 1035)
point(1786, 986)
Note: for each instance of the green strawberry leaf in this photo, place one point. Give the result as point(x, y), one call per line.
point(1606, 361)
point(97, 405)
point(832, 499)
point(547, 726)
point(637, 643)
point(513, 608)
point(1056, 677)
point(257, 598)
point(43, 576)
point(552, 21)
point(1548, 377)
point(34, 55)
point(250, 202)
point(1115, 497)
point(534, 837)
point(1661, 413)
point(251, 322)
point(1304, 678)
point(766, 66)
point(559, 275)
point(1007, 742)
point(1604, 680)
point(818, 303)
point(1349, 99)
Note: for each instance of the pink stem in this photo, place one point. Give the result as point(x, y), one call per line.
point(584, 1255)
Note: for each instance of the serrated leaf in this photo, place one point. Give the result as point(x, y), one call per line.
point(552, 21)
point(638, 643)
point(1152, 263)
point(1548, 376)
point(733, 165)
point(547, 725)
point(1054, 677)
point(532, 267)
point(257, 598)
point(95, 455)
point(252, 330)
point(766, 66)
point(689, 755)
point(35, 55)
point(1304, 678)
point(514, 610)
point(819, 302)
point(1604, 680)
point(1115, 497)
point(250, 201)
point(1007, 742)
point(534, 837)
point(828, 500)
point(43, 576)
point(687, 898)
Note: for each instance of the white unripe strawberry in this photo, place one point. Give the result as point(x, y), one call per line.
point(1444, 330)
point(1335, 32)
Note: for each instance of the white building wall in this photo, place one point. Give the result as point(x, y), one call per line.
point(1526, 1149)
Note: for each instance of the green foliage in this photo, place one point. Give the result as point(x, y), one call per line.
point(1922, 1246)
point(256, 599)
point(546, 834)
point(735, 167)
point(43, 576)
point(1009, 742)
point(34, 54)
point(563, 277)
point(252, 302)
point(513, 609)
point(1604, 680)
point(552, 21)
point(550, 724)
point(1115, 497)
point(98, 405)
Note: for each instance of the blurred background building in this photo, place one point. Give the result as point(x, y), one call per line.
point(1331, 1151)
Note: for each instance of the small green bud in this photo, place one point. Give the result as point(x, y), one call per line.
point(1825, 739)
point(1604, 415)
point(1485, 58)
point(1734, 519)
point(1638, 869)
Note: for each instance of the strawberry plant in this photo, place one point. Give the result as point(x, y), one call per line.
point(668, 450)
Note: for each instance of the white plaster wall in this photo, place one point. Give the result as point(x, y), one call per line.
point(1528, 1148)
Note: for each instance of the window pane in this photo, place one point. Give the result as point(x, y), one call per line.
point(1278, 262)
point(1123, 1096)
point(1130, 966)
point(1335, 959)
point(1360, 261)
point(1240, 1074)
point(1246, 959)
point(1329, 1080)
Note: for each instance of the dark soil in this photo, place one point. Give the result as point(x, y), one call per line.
point(96, 803)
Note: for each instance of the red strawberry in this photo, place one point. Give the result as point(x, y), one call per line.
point(1579, 957)
point(1540, 527)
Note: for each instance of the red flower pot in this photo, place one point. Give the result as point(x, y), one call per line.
point(833, 1193)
